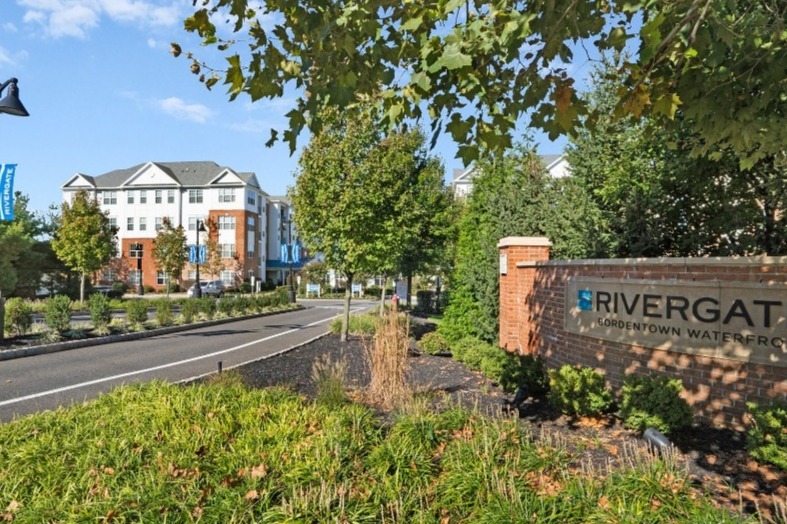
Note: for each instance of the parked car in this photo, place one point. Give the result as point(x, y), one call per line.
point(213, 288)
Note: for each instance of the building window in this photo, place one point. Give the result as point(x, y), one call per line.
point(159, 193)
point(251, 222)
point(227, 223)
point(250, 274)
point(143, 223)
point(143, 196)
point(161, 278)
point(113, 222)
point(110, 198)
point(193, 223)
point(135, 250)
point(227, 250)
point(195, 196)
point(226, 194)
point(170, 196)
point(130, 223)
point(159, 223)
point(130, 197)
point(134, 277)
point(249, 254)
point(108, 275)
point(251, 199)
point(228, 277)
point(192, 274)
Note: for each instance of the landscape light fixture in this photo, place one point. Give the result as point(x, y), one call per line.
point(11, 103)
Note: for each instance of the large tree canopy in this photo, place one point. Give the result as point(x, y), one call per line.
point(477, 68)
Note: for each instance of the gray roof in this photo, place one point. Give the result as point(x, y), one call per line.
point(198, 173)
point(548, 160)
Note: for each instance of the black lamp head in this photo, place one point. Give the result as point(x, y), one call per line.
point(11, 103)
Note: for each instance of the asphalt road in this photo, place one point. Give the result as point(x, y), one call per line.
point(44, 382)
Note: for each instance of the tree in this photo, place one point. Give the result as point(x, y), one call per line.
point(477, 68)
point(659, 200)
point(424, 207)
point(347, 197)
point(84, 239)
point(213, 261)
point(512, 195)
point(169, 250)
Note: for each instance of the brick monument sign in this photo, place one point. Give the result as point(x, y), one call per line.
point(718, 324)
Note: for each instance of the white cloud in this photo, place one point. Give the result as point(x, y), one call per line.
point(75, 18)
point(178, 108)
point(9, 27)
point(5, 58)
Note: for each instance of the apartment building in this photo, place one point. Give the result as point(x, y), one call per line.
point(462, 183)
point(138, 200)
point(281, 232)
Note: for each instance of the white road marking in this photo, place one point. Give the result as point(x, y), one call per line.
point(156, 368)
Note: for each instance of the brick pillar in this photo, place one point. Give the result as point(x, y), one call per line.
point(518, 259)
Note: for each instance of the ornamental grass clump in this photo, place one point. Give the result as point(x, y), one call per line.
point(188, 310)
point(329, 379)
point(387, 357)
point(650, 401)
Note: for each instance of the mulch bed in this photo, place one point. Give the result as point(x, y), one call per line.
point(715, 458)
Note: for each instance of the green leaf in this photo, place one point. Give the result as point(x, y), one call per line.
point(452, 58)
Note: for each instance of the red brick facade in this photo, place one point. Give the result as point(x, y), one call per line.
point(532, 302)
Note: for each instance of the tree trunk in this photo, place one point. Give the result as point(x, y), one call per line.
point(409, 288)
point(348, 293)
point(382, 296)
point(82, 288)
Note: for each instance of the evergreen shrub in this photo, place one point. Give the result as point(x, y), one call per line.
point(18, 316)
point(100, 310)
point(766, 440)
point(164, 315)
point(137, 311)
point(650, 401)
point(433, 343)
point(524, 370)
point(578, 391)
point(57, 313)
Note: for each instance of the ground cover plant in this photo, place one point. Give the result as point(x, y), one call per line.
point(224, 452)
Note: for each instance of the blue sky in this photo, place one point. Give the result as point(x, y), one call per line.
point(104, 93)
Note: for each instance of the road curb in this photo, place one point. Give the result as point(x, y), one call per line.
point(11, 354)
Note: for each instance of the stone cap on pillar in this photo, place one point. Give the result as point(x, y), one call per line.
point(524, 241)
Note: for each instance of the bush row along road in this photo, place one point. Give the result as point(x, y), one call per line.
point(44, 382)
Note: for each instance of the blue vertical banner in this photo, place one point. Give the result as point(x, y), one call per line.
point(192, 254)
point(202, 256)
point(296, 253)
point(284, 254)
point(7, 172)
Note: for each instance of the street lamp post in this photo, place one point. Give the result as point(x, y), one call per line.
point(11, 103)
point(13, 106)
point(197, 288)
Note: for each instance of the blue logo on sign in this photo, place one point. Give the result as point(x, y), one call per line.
point(585, 300)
